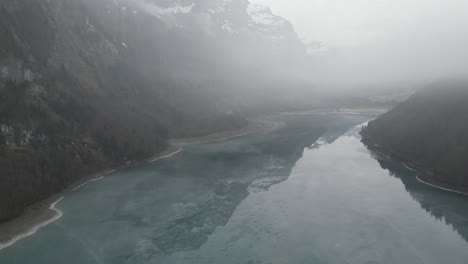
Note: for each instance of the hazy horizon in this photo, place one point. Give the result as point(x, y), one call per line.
point(233, 131)
point(366, 41)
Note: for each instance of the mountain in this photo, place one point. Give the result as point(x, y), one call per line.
point(88, 84)
point(429, 132)
point(222, 18)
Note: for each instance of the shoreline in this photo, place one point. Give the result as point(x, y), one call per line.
point(45, 212)
point(349, 111)
point(165, 156)
point(35, 228)
point(419, 174)
point(253, 126)
point(430, 182)
point(440, 187)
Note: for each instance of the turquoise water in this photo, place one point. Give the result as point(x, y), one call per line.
point(307, 192)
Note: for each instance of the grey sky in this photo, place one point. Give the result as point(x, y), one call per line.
point(383, 40)
point(354, 22)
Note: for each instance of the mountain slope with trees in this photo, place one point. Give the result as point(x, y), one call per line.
point(89, 84)
point(430, 132)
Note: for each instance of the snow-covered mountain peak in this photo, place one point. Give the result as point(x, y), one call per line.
point(220, 18)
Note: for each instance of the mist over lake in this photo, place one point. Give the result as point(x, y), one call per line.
point(233, 131)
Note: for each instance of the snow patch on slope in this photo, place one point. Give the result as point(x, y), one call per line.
point(158, 11)
point(263, 15)
point(177, 9)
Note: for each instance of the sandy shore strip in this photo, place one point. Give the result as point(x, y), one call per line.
point(254, 126)
point(34, 218)
point(433, 185)
point(166, 156)
point(45, 212)
point(417, 170)
point(83, 184)
point(440, 187)
point(349, 111)
point(41, 213)
point(408, 167)
point(57, 215)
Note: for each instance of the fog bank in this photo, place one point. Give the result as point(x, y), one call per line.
point(385, 41)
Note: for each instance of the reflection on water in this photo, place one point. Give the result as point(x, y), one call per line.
point(234, 169)
point(307, 192)
point(141, 214)
point(450, 208)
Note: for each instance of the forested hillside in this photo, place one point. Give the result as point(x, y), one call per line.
point(430, 132)
point(88, 84)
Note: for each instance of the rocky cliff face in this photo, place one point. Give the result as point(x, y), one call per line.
point(216, 17)
point(88, 84)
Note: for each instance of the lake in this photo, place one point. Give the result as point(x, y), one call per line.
point(305, 191)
